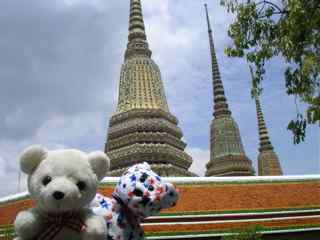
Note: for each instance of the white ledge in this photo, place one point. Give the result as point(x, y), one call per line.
point(204, 235)
point(14, 197)
point(229, 179)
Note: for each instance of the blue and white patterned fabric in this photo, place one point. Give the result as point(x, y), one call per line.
point(140, 193)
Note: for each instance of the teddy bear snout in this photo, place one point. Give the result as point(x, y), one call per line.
point(58, 195)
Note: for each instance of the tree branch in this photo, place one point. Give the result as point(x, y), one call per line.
point(275, 13)
point(264, 2)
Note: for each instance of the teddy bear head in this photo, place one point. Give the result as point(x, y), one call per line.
point(62, 180)
point(144, 192)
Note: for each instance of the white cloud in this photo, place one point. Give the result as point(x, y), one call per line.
point(200, 158)
point(65, 129)
point(8, 179)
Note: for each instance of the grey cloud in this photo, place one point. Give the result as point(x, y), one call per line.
point(59, 66)
point(56, 60)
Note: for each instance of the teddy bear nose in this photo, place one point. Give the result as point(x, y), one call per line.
point(58, 195)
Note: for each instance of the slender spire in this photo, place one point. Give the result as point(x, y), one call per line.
point(268, 161)
point(227, 155)
point(137, 39)
point(265, 143)
point(220, 102)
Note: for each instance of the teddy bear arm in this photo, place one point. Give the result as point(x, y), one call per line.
point(96, 228)
point(28, 224)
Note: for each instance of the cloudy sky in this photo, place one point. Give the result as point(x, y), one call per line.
point(59, 70)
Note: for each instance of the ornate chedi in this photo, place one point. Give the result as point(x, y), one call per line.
point(268, 161)
point(143, 129)
point(227, 156)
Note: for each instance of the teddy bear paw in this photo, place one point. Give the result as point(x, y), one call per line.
point(94, 234)
point(97, 231)
point(25, 225)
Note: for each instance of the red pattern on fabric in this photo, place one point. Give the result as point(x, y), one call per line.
point(151, 181)
point(159, 190)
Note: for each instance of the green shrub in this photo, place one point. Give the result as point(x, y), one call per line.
point(250, 233)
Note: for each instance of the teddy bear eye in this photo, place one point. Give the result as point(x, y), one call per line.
point(46, 180)
point(81, 185)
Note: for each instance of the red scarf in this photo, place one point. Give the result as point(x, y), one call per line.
point(55, 223)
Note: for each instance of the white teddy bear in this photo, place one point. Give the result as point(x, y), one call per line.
point(62, 184)
point(140, 193)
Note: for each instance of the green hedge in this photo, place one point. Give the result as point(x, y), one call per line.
point(6, 232)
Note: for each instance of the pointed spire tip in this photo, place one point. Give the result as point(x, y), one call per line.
point(221, 107)
point(137, 44)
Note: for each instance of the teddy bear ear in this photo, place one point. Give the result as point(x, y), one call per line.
point(100, 163)
point(31, 158)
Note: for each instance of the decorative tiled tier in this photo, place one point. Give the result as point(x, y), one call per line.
point(269, 164)
point(151, 136)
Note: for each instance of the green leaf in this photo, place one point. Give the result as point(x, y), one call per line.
point(290, 29)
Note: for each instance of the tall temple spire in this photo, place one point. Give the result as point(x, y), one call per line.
point(227, 156)
point(137, 39)
point(268, 161)
point(143, 129)
point(220, 102)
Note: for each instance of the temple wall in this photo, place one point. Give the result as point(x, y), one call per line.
point(218, 205)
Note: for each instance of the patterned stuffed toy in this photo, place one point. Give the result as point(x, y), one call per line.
point(139, 194)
